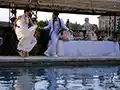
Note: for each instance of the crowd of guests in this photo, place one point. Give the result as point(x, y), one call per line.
point(92, 35)
point(82, 35)
point(89, 33)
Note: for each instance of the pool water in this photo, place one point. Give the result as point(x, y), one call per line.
point(60, 78)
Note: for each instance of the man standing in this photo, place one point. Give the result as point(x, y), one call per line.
point(86, 26)
point(25, 29)
point(55, 25)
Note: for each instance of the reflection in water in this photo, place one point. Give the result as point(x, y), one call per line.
point(81, 78)
point(24, 81)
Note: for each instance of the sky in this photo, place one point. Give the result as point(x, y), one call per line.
point(79, 18)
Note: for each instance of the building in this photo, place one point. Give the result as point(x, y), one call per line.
point(117, 26)
point(107, 23)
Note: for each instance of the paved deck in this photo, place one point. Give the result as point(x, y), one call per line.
point(57, 61)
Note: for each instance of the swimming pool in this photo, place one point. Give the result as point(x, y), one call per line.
point(60, 78)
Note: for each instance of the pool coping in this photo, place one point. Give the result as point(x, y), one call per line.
point(43, 61)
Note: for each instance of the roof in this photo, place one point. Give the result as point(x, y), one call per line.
point(102, 7)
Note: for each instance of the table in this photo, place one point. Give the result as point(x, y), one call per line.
point(88, 48)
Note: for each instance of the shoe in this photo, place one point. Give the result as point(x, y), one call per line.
point(55, 55)
point(46, 54)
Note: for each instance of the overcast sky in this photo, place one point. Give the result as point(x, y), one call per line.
point(4, 16)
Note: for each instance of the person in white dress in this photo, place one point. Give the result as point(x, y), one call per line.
point(25, 29)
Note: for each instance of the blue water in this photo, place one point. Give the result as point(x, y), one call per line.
point(61, 78)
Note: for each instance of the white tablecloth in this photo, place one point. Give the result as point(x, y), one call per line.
point(88, 48)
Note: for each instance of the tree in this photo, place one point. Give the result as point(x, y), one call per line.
point(42, 24)
point(75, 26)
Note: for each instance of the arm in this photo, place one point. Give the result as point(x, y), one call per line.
point(63, 25)
point(48, 26)
point(31, 22)
point(24, 20)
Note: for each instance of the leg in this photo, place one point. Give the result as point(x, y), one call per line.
point(54, 40)
point(31, 42)
point(52, 48)
point(48, 51)
point(29, 45)
point(21, 53)
point(20, 48)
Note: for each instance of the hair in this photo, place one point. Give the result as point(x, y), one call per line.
point(86, 18)
point(27, 10)
point(56, 13)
